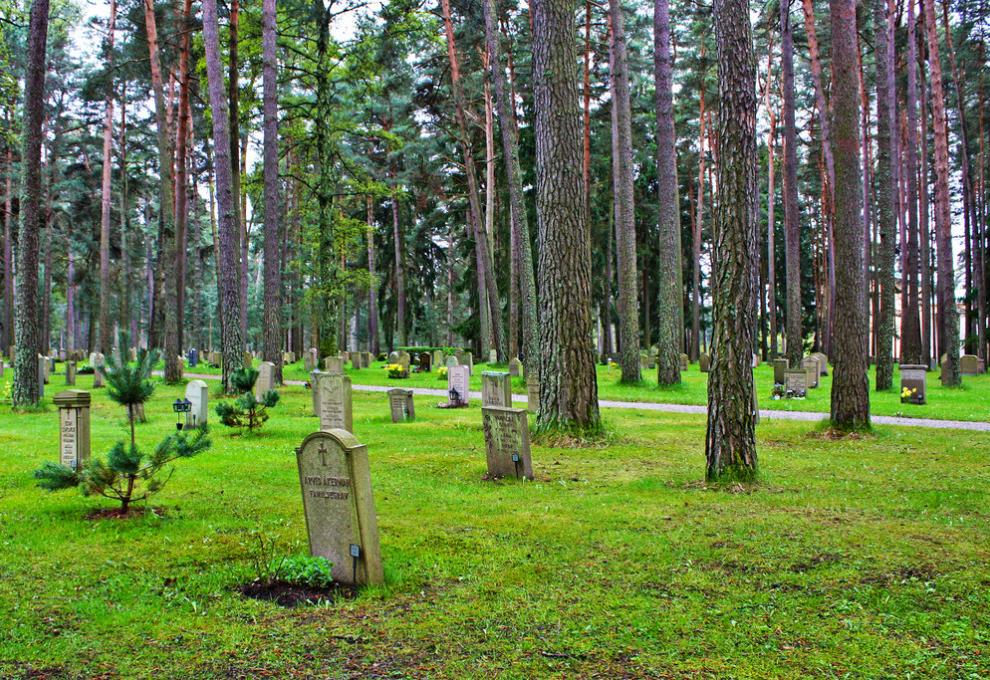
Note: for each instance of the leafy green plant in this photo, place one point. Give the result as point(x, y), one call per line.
point(130, 385)
point(246, 411)
point(311, 571)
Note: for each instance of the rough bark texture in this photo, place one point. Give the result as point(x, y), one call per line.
point(105, 342)
point(233, 95)
point(272, 332)
point(373, 275)
point(669, 278)
point(568, 389)
point(911, 345)
point(8, 255)
point(181, 175)
point(850, 386)
point(695, 347)
point(945, 286)
point(400, 279)
point(625, 213)
point(232, 343)
point(794, 345)
point(730, 443)
point(26, 391)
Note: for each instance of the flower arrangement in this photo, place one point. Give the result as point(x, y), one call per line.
point(396, 371)
point(909, 395)
point(442, 373)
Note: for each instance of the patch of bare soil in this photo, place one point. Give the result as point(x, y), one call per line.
point(117, 513)
point(288, 594)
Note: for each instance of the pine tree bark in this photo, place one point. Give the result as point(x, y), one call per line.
point(182, 174)
point(699, 211)
point(945, 286)
point(398, 242)
point(850, 409)
point(8, 253)
point(568, 388)
point(105, 343)
point(730, 442)
point(373, 346)
point(232, 343)
point(26, 390)
point(911, 345)
point(794, 344)
point(771, 213)
point(669, 276)
point(272, 327)
point(234, 97)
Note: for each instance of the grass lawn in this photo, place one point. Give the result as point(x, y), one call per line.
point(868, 557)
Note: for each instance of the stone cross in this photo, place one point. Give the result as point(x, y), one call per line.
point(507, 442)
point(401, 404)
point(458, 386)
point(496, 389)
point(198, 395)
point(266, 379)
point(335, 478)
point(73, 417)
point(335, 403)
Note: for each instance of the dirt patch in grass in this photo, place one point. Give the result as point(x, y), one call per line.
point(833, 435)
point(288, 594)
point(817, 560)
point(132, 513)
point(902, 574)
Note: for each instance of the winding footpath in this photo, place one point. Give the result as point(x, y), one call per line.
point(765, 414)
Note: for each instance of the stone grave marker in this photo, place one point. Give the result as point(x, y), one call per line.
point(198, 395)
point(796, 382)
point(779, 368)
point(969, 364)
point(335, 403)
point(404, 362)
point(496, 389)
point(492, 356)
point(438, 357)
point(811, 365)
point(451, 362)
point(42, 374)
point(400, 402)
point(533, 396)
point(98, 362)
point(704, 363)
point(515, 367)
point(684, 361)
point(507, 442)
point(458, 386)
point(248, 359)
point(822, 363)
point(314, 387)
point(425, 362)
point(756, 360)
point(366, 359)
point(70, 372)
point(469, 362)
point(133, 353)
point(193, 358)
point(311, 360)
point(333, 365)
point(335, 478)
point(913, 380)
point(266, 379)
point(393, 357)
point(73, 417)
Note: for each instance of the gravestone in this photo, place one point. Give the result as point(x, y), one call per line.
point(458, 386)
point(43, 368)
point(193, 358)
point(811, 365)
point(73, 418)
point(969, 364)
point(356, 360)
point(469, 362)
point(198, 395)
point(684, 361)
point(496, 389)
point(704, 363)
point(335, 403)
point(507, 442)
point(779, 368)
point(335, 478)
point(70, 372)
point(401, 404)
point(314, 386)
point(98, 362)
point(533, 395)
point(796, 382)
point(822, 363)
point(333, 365)
point(311, 360)
point(756, 360)
point(393, 357)
point(248, 359)
point(492, 356)
point(366, 359)
point(425, 362)
point(451, 362)
point(438, 357)
point(515, 367)
point(644, 361)
point(266, 380)
point(913, 379)
point(133, 353)
point(404, 362)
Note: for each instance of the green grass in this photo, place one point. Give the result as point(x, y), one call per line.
point(859, 558)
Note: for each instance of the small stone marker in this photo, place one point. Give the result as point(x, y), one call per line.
point(458, 386)
point(393, 357)
point(266, 379)
point(533, 396)
point(70, 372)
point(400, 402)
point(193, 358)
point(969, 364)
point(73, 417)
point(811, 365)
point(779, 368)
point(496, 389)
point(437, 357)
point(97, 361)
point(684, 361)
point(333, 365)
point(248, 359)
point(425, 362)
point(451, 362)
point(913, 380)
point(822, 362)
point(198, 395)
point(314, 386)
point(796, 382)
point(43, 369)
point(469, 362)
point(704, 363)
point(311, 361)
point(335, 478)
point(335, 403)
point(515, 367)
point(507, 442)
point(492, 356)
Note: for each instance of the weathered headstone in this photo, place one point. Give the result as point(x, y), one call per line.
point(811, 365)
point(193, 358)
point(42, 373)
point(98, 362)
point(913, 384)
point(779, 368)
point(704, 363)
point(533, 395)
point(796, 382)
point(507, 442)
point(401, 404)
point(451, 362)
point(73, 417)
point(333, 365)
point(404, 361)
point(311, 361)
point(969, 364)
point(425, 362)
point(335, 478)
point(366, 359)
point(248, 359)
point(492, 356)
point(458, 386)
point(496, 389)
point(133, 355)
point(198, 395)
point(70, 372)
point(515, 367)
point(335, 403)
point(314, 386)
point(684, 361)
point(266, 379)
point(822, 363)
point(469, 362)
point(438, 358)
point(393, 357)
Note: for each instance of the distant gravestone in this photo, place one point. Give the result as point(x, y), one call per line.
point(644, 361)
point(314, 386)
point(335, 478)
point(335, 403)
point(515, 367)
point(779, 368)
point(98, 362)
point(393, 357)
point(425, 362)
point(42, 374)
point(311, 360)
point(133, 354)
point(73, 416)
point(266, 380)
point(438, 357)
point(969, 364)
point(507, 442)
point(496, 389)
point(469, 362)
point(796, 382)
point(404, 361)
point(401, 405)
point(333, 365)
point(70, 372)
point(684, 361)
point(193, 358)
point(248, 359)
point(492, 356)
point(811, 365)
point(704, 363)
point(822, 363)
point(451, 362)
point(756, 360)
point(197, 394)
point(913, 384)
point(458, 386)
point(533, 396)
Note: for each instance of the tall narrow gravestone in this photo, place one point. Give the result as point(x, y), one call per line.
point(496, 389)
point(314, 386)
point(335, 478)
point(335, 403)
point(43, 368)
point(533, 395)
point(266, 380)
point(492, 356)
point(684, 361)
point(458, 386)
point(704, 363)
point(70, 372)
point(515, 367)
point(779, 368)
point(97, 361)
point(73, 417)
point(198, 396)
point(507, 442)
point(401, 404)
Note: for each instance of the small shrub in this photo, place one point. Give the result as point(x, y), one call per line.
point(246, 411)
point(306, 570)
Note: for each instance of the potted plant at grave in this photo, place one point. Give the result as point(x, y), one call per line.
point(246, 411)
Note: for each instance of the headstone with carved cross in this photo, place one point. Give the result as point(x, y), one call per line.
point(335, 402)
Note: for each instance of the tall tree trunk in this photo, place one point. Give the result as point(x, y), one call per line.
point(695, 347)
point(26, 391)
point(234, 97)
point(8, 254)
point(669, 276)
point(398, 242)
point(231, 340)
point(771, 213)
point(730, 443)
point(373, 346)
point(850, 384)
point(272, 326)
point(568, 388)
point(181, 175)
point(105, 343)
point(129, 337)
point(794, 345)
point(887, 154)
point(946, 286)
point(924, 241)
point(911, 345)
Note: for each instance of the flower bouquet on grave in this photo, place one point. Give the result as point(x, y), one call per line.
point(442, 373)
point(396, 371)
point(909, 395)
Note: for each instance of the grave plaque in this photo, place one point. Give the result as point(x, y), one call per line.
point(335, 478)
point(496, 389)
point(684, 361)
point(796, 382)
point(913, 384)
point(198, 395)
point(335, 403)
point(969, 364)
point(507, 442)
point(704, 363)
point(515, 367)
point(811, 365)
point(401, 404)
point(314, 386)
point(779, 368)
point(458, 386)
point(333, 365)
point(73, 416)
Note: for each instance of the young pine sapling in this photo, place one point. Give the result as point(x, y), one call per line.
point(246, 411)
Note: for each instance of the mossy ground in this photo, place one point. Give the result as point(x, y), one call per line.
point(862, 557)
